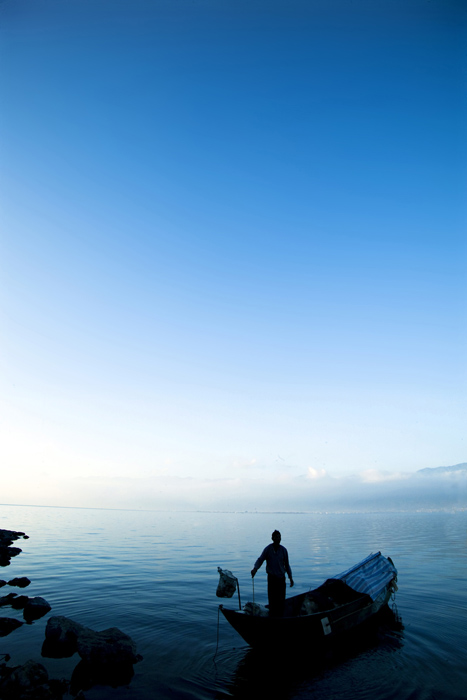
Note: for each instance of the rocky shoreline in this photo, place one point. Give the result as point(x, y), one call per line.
point(106, 657)
point(7, 537)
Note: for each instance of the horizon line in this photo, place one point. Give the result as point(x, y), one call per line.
point(246, 512)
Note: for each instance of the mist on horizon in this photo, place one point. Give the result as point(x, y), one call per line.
point(429, 489)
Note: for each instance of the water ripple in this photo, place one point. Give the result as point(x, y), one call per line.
point(154, 575)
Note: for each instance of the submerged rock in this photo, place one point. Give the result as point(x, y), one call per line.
point(30, 682)
point(8, 599)
point(86, 675)
point(30, 674)
point(8, 625)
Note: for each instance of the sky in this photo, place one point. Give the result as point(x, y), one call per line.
point(232, 250)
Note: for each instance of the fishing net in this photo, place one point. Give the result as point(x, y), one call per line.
point(227, 583)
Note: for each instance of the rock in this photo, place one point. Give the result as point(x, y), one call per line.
point(7, 537)
point(109, 647)
point(30, 682)
point(13, 551)
point(2, 583)
point(35, 608)
point(107, 657)
point(21, 582)
point(6, 553)
point(27, 681)
point(86, 675)
point(8, 625)
point(58, 687)
point(19, 602)
point(7, 599)
point(29, 675)
point(61, 637)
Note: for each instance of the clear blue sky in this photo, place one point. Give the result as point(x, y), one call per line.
point(232, 246)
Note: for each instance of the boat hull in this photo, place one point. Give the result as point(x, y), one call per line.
point(311, 629)
point(339, 610)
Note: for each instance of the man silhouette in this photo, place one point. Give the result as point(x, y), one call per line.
point(277, 565)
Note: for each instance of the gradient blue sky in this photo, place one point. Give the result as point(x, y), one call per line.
point(233, 253)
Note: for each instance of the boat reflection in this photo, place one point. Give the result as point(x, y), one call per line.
point(296, 673)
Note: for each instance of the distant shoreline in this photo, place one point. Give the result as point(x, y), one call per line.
point(441, 509)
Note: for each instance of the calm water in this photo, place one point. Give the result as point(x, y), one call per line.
point(154, 575)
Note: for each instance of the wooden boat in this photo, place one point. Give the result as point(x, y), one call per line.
point(339, 605)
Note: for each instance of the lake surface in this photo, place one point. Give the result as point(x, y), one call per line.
point(154, 575)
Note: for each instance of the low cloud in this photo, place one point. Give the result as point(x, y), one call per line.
point(313, 473)
point(241, 463)
point(373, 476)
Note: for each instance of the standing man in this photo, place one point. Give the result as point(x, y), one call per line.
point(277, 565)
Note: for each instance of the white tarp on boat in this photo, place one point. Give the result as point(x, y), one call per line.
point(370, 576)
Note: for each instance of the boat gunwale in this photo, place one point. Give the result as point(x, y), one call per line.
point(328, 612)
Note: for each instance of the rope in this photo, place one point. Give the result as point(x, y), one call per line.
point(239, 599)
point(217, 644)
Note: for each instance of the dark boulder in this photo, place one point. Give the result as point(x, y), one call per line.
point(35, 608)
point(21, 582)
point(30, 682)
point(109, 647)
point(61, 637)
point(107, 657)
point(19, 602)
point(30, 674)
point(8, 625)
